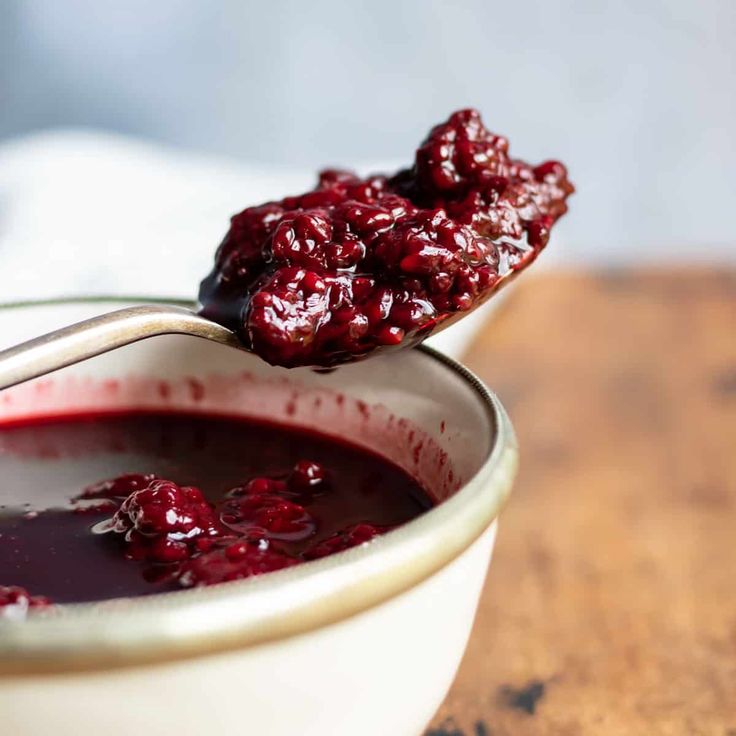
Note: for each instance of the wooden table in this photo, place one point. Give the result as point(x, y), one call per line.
point(610, 607)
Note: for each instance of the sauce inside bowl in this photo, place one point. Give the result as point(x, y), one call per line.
point(102, 506)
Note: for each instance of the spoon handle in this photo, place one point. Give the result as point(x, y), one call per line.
point(101, 334)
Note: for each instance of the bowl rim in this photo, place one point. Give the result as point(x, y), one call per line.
point(178, 625)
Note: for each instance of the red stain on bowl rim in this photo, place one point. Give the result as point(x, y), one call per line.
point(196, 389)
point(275, 400)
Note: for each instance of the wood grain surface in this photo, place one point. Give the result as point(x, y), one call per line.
point(610, 607)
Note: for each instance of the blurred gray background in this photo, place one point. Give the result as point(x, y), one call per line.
point(637, 97)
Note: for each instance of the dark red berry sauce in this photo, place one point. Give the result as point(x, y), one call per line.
point(186, 500)
point(359, 264)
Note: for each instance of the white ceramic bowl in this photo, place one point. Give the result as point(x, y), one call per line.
point(365, 642)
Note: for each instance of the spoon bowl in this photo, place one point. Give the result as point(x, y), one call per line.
point(101, 334)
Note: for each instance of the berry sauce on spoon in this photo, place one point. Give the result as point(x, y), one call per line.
point(362, 264)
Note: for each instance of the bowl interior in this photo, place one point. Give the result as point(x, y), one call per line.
point(408, 407)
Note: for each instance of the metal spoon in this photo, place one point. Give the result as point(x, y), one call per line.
point(98, 335)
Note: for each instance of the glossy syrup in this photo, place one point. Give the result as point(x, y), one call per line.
point(47, 544)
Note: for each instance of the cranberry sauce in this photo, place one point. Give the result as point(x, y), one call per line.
point(359, 264)
point(98, 507)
